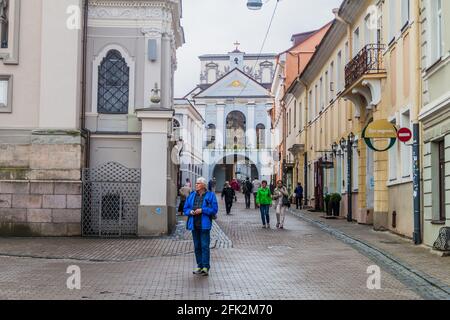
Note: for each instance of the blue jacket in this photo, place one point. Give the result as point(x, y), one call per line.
point(210, 208)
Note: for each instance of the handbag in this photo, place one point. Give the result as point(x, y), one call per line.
point(286, 202)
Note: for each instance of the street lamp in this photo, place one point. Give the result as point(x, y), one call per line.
point(254, 4)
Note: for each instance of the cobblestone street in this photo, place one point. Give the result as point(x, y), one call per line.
point(248, 262)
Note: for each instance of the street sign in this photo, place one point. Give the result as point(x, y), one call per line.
point(404, 135)
point(380, 129)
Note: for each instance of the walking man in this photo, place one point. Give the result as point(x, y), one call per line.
point(256, 186)
point(201, 208)
point(228, 195)
point(299, 196)
point(281, 197)
point(264, 201)
point(247, 190)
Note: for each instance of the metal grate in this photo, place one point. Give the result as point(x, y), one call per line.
point(111, 195)
point(113, 84)
point(368, 61)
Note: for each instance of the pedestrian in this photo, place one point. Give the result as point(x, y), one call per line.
point(201, 208)
point(228, 195)
point(256, 185)
point(184, 194)
point(281, 197)
point(247, 188)
point(264, 201)
point(235, 185)
point(212, 185)
point(299, 196)
point(188, 183)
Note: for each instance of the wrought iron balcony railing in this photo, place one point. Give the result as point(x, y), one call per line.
point(368, 61)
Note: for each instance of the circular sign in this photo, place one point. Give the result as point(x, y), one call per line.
point(404, 135)
point(380, 129)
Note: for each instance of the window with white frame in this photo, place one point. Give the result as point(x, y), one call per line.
point(392, 19)
point(339, 68)
point(4, 23)
point(356, 42)
point(327, 87)
point(300, 115)
point(331, 85)
point(5, 93)
point(406, 8)
point(406, 150)
point(434, 32)
point(440, 40)
point(321, 95)
point(393, 159)
point(295, 113)
point(316, 101)
point(310, 106)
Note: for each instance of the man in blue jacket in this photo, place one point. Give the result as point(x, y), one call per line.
point(201, 209)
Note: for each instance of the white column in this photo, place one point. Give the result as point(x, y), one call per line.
point(152, 69)
point(221, 128)
point(251, 125)
point(154, 212)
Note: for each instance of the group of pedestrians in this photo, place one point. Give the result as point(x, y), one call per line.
point(201, 208)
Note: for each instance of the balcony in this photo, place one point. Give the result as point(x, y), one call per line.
point(368, 61)
point(363, 77)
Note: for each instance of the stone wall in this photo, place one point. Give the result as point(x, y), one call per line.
point(40, 183)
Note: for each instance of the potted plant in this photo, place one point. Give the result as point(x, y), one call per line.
point(327, 200)
point(335, 203)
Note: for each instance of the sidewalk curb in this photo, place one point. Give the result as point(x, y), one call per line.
point(425, 285)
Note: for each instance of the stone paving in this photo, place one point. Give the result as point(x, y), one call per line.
point(248, 262)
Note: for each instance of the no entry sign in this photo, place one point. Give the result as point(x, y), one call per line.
point(404, 135)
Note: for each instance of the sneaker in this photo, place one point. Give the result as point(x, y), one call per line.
point(268, 226)
point(197, 271)
point(264, 227)
point(278, 225)
point(281, 227)
point(204, 272)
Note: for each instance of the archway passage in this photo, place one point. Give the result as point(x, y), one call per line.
point(234, 167)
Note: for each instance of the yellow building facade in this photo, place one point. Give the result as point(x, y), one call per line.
point(366, 69)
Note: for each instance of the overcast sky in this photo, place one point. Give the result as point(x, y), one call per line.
point(212, 26)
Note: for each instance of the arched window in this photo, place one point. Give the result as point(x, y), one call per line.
point(260, 136)
point(176, 127)
point(113, 84)
point(211, 138)
point(236, 127)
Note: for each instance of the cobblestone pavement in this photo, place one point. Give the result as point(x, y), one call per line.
point(300, 262)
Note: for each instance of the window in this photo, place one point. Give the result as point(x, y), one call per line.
point(393, 159)
point(211, 137)
point(441, 148)
point(356, 42)
point(332, 83)
point(316, 101)
point(260, 136)
point(113, 84)
point(289, 121)
point(310, 106)
point(406, 12)
point(295, 113)
point(440, 37)
point(176, 127)
point(5, 93)
point(327, 87)
point(4, 23)
point(321, 98)
point(392, 19)
point(339, 72)
point(405, 150)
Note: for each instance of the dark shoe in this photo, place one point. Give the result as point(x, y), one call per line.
point(204, 272)
point(264, 227)
point(197, 271)
point(278, 225)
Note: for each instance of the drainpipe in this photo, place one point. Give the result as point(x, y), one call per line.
point(85, 132)
point(417, 235)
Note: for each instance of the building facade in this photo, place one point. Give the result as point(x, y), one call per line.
point(88, 68)
point(189, 126)
point(435, 117)
point(364, 70)
point(233, 99)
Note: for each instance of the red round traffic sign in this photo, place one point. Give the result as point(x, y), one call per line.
point(404, 135)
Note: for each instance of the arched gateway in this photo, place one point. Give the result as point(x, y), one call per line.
point(234, 167)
